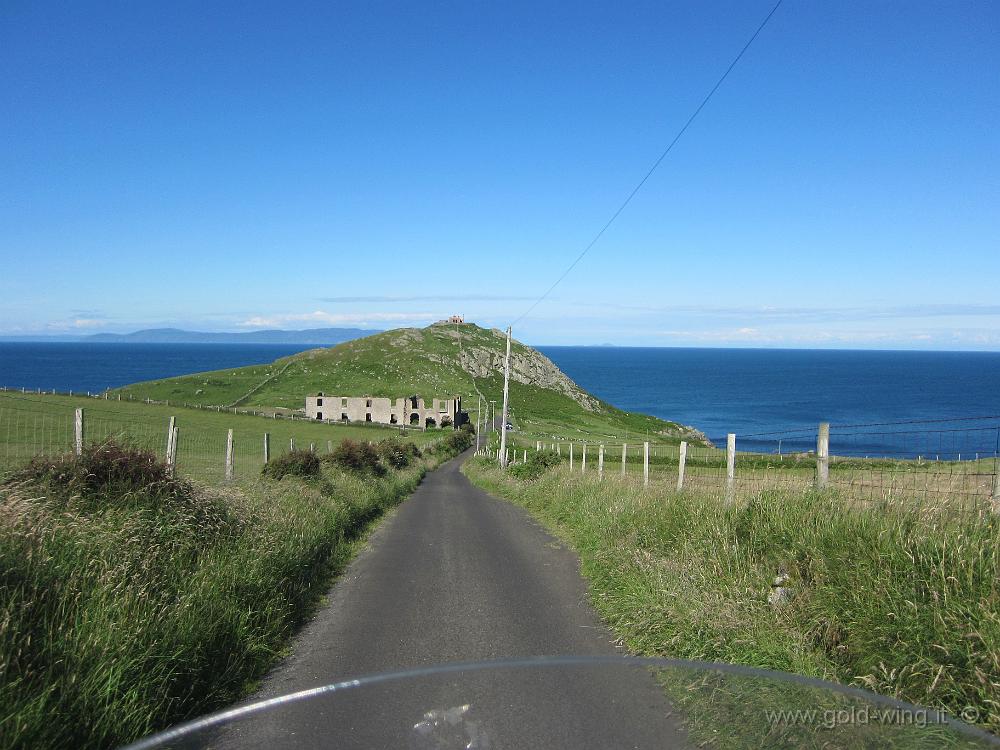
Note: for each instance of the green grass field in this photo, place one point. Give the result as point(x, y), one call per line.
point(31, 424)
point(884, 598)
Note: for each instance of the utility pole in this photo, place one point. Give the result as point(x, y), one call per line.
point(503, 416)
point(479, 413)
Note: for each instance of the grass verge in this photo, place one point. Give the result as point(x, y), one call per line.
point(878, 598)
point(131, 600)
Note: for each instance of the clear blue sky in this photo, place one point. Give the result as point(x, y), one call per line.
point(229, 166)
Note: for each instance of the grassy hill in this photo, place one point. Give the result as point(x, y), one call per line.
point(439, 361)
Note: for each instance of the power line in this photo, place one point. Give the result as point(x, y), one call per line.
point(656, 164)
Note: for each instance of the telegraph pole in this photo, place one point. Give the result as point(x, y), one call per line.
point(503, 417)
point(479, 413)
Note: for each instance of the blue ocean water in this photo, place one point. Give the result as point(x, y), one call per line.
point(753, 391)
point(746, 391)
point(95, 367)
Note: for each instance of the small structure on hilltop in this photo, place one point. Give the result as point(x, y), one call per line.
point(411, 410)
point(455, 319)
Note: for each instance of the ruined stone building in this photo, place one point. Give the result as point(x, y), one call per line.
point(411, 410)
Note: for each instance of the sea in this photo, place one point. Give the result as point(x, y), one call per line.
point(762, 395)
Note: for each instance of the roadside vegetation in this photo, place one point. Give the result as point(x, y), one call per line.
point(131, 599)
point(881, 598)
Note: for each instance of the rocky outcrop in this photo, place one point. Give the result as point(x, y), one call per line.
point(529, 367)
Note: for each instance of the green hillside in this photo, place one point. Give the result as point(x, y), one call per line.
point(439, 361)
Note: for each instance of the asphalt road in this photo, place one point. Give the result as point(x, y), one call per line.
point(456, 575)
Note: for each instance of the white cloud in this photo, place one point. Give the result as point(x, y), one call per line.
point(327, 318)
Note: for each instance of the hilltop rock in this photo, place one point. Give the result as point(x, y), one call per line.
point(531, 368)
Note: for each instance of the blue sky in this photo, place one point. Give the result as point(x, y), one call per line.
point(223, 166)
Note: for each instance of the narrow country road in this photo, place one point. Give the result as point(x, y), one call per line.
point(457, 575)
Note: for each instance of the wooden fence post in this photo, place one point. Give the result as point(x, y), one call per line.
point(170, 435)
point(267, 447)
point(229, 456)
point(624, 454)
point(312, 447)
point(823, 456)
point(730, 468)
point(996, 487)
point(571, 458)
point(538, 446)
point(682, 455)
point(78, 432)
point(583, 460)
point(291, 443)
point(600, 462)
point(172, 454)
point(645, 464)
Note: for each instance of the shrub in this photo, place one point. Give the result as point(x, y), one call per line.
point(107, 472)
point(537, 464)
point(396, 453)
point(299, 463)
point(456, 442)
point(357, 457)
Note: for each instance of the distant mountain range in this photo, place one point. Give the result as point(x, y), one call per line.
point(317, 336)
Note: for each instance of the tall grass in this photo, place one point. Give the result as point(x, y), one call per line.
point(885, 599)
point(130, 601)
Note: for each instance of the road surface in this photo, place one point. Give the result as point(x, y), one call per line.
point(456, 575)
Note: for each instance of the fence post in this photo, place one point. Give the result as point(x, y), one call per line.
point(229, 456)
point(823, 456)
point(329, 446)
point(78, 432)
point(267, 447)
point(645, 464)
point(524, 456)
point(624, 454)
point(583, 460)
point(996, 491)
point(312, 447)
point(600, 462)
point(682, 455)
point(730, 468)
point(172, 456)
point(571, 458)
point(170, 435)
point(996, 478)
point(538, 446)
point(291, 443)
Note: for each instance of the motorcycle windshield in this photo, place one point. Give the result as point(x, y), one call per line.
point(575, 702)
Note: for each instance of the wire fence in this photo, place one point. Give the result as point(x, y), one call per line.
point(941, 465)
point(209, 447)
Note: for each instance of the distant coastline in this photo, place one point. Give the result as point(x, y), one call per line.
point(310, 336)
